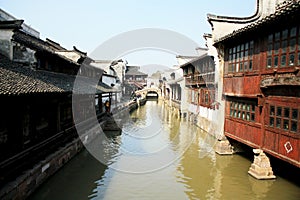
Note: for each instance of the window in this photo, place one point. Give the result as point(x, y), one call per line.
point(185, 71)
point(206, 97)
point(242, 110)
point(282, 49)
point(204, 72)
point(285, 118)
point(240, 58)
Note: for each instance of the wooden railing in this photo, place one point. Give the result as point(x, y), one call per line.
point(199, 79)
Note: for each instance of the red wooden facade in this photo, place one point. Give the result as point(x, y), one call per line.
point(262, 84)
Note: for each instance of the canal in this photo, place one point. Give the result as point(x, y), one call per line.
point(159, 156)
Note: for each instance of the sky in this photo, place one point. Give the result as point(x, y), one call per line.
point(87, 24)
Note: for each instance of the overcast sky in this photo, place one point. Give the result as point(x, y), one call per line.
point(87, 24)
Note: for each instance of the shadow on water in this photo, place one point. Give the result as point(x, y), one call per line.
point(280, 168)
point(76, 180)
point(286, 171)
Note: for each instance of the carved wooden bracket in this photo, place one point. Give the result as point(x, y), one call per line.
point(280, 81)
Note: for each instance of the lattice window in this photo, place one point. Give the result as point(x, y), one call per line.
point(241, 58)
point(242, 110)
point(285, 118)
point(283, 48)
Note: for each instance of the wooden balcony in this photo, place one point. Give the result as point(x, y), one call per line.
point(199, 79)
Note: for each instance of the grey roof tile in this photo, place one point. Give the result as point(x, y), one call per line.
point(16, 79)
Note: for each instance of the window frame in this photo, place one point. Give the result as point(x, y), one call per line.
point(279, 51)
point(278, 113)
point(240, 58)
point(242, 110)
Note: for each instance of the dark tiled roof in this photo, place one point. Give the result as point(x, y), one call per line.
point(16, 79)
point(191, 62)
point(32, 42)
point(55, 45)
point(137, 84)
point(135, 72)
point(290, 8)
point(11, 24)
point(37, 44)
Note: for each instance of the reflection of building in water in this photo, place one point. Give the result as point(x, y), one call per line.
point(260, 188)
point(218, 174)
point(193, 168)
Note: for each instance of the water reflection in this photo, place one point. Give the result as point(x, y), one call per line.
point(75, 181)
point(186, 166)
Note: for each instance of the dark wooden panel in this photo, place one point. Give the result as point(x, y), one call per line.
point(245, 132)
point(242, 86)
point(271, 141)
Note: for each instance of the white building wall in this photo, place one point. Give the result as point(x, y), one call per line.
point(208, 119)
point(219, 114)
point(184, 97)
point(6, 48)
point(108, 80)
point(223, 25)
point(70, 55)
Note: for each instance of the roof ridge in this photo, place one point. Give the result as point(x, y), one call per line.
point(291, 5)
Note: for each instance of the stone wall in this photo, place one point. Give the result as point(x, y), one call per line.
point(31, 179)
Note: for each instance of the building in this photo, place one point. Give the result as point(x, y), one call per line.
point(175, 94)
point(37, 81)
point(112, 76)
point(134, 80)
point(262, 82)
point(203, 103)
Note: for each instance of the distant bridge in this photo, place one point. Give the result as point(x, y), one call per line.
point(150, 92)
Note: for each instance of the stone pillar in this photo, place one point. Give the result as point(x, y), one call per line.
point(261, 167)
point(223, 147)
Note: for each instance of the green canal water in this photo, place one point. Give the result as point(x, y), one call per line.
point(159, 156)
